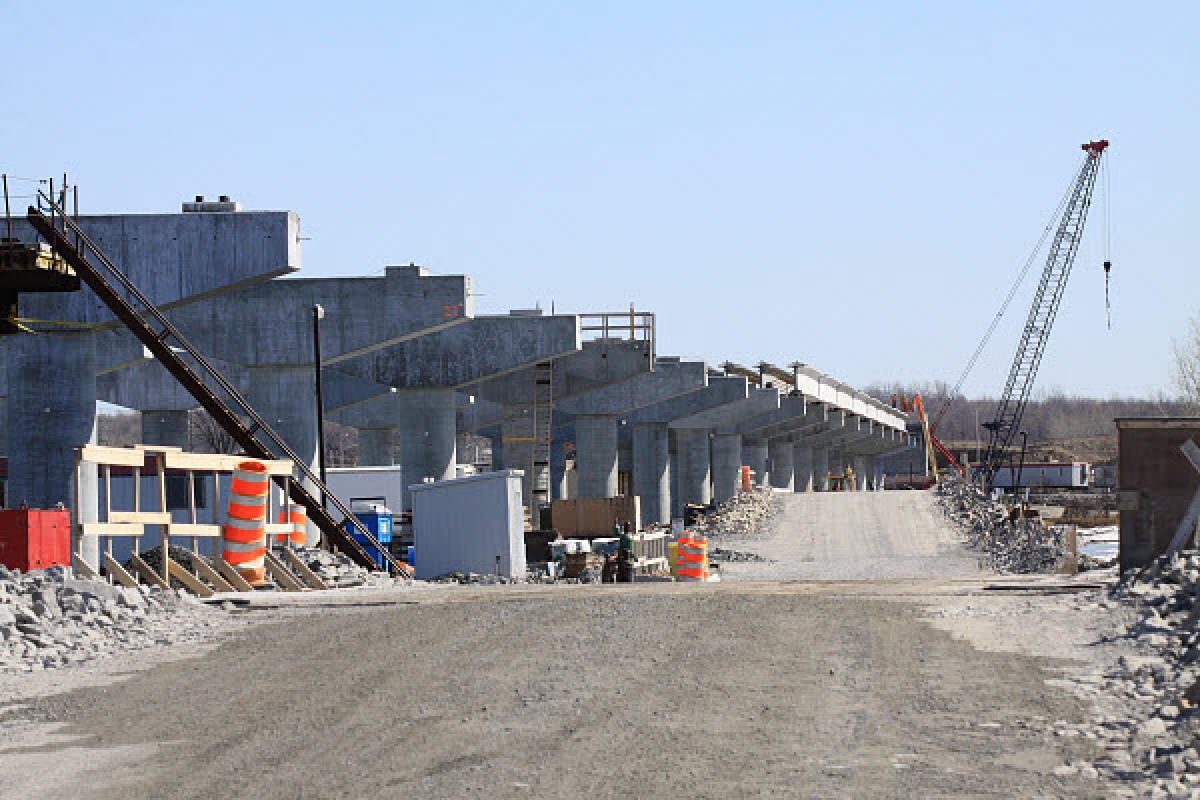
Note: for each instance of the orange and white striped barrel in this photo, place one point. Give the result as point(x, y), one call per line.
point(245, 540)
point(747, 479)
point(294, 516)
point(692, 557)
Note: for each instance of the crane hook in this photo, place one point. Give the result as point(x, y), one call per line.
point(1107, 305)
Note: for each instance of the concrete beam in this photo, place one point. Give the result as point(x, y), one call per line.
point(671, 378)
point(719, 392)
point(726, 418)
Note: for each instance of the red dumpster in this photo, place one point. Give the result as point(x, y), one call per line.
point(34, 539)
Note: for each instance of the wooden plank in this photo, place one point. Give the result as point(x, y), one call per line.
point(149, 575)
point(83, 568)
point(192, 529)
point(280, 573)
point(232, 575)
point(158, 448)
point(110, 529)
point(117, 456)
point(310, 577)
point(273, 528)
point(211, 575)
point(140, 517)
point(190, 581)
point(114, 568)
point(216, 462)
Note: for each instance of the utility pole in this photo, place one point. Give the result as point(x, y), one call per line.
point(318, 315)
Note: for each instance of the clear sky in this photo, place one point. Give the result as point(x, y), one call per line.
point(853, 185)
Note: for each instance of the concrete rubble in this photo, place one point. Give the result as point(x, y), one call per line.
point(48, 619)
point(745, 514)
point(1008, 546)
point(339, 572)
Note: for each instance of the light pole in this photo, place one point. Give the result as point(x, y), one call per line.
point(318, 315)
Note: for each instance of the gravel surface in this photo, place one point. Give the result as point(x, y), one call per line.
point(894, 674)
point(853, 536)
point(608, 693)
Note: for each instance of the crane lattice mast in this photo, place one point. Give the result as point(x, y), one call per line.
point(1042, 312)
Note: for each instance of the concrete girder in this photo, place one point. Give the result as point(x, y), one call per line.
point(600, 363)
point(719, 392)
point(725, 419)
point(671, 378)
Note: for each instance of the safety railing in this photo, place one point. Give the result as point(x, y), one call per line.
point(629, 326)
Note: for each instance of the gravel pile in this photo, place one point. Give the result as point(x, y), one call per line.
point(746, 514)
point(1009, 546)
point(50, 619)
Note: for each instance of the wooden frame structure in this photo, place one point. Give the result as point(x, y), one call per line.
point(132, 523)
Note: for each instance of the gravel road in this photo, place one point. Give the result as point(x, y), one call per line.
point(854, 536)
point(654, 690)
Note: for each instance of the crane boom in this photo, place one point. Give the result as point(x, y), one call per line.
point(1042, 312)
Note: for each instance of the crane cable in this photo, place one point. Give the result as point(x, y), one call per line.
point(1012, 292)
point(1107, 242)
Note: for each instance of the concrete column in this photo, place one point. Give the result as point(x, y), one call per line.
point(460, 449)
point(596, 455)
point(673, 469)
point(497, 453)
point(820, 460)
point(427, 424)
point(517, 432)
point(803, 459)
point(695, 472)
point(165, 427)
point(754, 456)
point(558, 469)
point(286, 398)
point(877, 473)
point(726, 465)
point(862, 468)
point(783, 466)
point(375, 447)
point(51, 411)
point(652, 470)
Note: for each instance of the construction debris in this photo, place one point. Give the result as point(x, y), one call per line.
point(1011, 543)
point(745, 514)
point(48, 619)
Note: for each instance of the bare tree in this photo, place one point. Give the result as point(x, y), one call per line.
point(1187, 364)
point(208, 437)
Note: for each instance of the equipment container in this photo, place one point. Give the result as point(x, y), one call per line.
point(34, 539)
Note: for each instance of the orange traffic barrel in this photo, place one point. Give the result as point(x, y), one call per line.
point(747, 479)
point(296, 517)
point(692, 557)
point(245, 538)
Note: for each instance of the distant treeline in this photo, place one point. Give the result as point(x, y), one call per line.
point(1049, 415)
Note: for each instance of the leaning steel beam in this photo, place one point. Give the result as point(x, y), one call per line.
point(59, 229)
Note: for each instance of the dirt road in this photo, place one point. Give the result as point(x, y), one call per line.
point(729, 690)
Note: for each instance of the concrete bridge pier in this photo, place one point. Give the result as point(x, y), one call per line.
point(726, 465)
point(821, 461)
point(51, 411)
point(754, 456)
point(803, 460)
point(695, 470)
point(596, 455)
point(652, 470)
point(783, 465)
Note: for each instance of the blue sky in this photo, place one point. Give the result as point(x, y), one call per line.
point(850, 185)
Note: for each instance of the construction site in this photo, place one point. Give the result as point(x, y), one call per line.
point(283, 526)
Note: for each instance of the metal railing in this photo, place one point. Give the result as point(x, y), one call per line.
point(628, 326)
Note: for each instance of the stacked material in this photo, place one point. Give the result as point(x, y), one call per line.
point(1009, 545)
point(50, 619)
point(743, 515)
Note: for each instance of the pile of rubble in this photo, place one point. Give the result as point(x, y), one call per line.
point(50, 619)
point(1009, 545)
point(338, 571)
point(745, 514)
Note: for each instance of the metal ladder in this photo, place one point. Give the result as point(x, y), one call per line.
point(67, 239)
point(542, 434)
